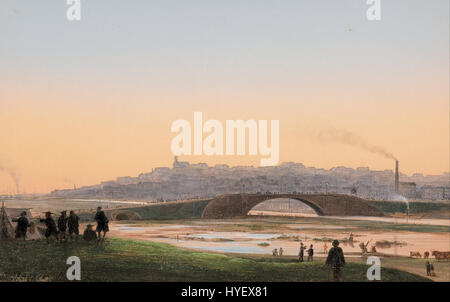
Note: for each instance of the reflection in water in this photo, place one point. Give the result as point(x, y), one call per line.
point(197, 237)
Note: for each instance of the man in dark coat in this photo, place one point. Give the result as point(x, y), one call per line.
point(432, 270)
point(310, 253)
point(301, 252)
point(102, 224)
point(73, 224)
point(51, 226)
point(89, 234)
point(62, 225)
point(22, 225)
point(336, 260)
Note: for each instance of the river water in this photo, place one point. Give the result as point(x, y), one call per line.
point(319, 235)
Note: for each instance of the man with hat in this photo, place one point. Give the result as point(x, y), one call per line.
point(73, 224)
point(22, 225)
point(301, 252)
point(51, 226)
point(102, 224)
point(336, 260)
point(89, 234)
point(62, 225)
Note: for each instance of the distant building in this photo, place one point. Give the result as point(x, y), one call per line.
point(408, 189)
point(187, 180)
point(179, 164)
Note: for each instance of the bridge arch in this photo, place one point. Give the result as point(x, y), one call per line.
point(233, 205)
point(286, 206)
point(317, 209)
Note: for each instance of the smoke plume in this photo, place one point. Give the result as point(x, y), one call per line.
point(351, 139)
point(13, 175)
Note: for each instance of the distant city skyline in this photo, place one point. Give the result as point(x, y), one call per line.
point(185, 181)
point(433, 180)
point(86, 101)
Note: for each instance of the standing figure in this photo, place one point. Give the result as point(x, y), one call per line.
point(350, 238)
point(428, 266)
point(336, 260)
point(301, 252)
point(275, 252)
point(62, 225)
point(22, 225)
point(325, 248)
point(102, 224)
point(51, 226)
point(280, 251)
point(432, 269)
point(310, 253)
point(73, 224)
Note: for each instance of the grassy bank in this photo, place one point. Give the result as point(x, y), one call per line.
point(416, 207)
point(128, 260)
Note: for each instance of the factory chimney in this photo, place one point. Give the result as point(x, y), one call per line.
point(396, 177)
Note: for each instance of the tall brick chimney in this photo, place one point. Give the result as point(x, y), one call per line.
point(396, 177)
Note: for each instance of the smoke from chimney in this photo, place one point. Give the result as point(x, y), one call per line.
point(13, 175)
point(349, 138)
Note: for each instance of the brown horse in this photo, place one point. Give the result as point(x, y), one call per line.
point(441, 255)
point(415, 254)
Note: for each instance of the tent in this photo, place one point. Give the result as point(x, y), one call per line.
point(8, 227)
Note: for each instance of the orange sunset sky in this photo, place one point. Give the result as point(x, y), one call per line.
point(82, 102)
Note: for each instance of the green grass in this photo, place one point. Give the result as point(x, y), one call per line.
point(129, 260)
point(390, 207)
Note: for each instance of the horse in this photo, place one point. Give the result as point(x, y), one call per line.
point(415, 254)
point(441, 255)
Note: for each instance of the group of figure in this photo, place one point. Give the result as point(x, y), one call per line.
point(335, 258)
point(65, 225)
point(279, 252)
point(363, 246)
point(430, 269)
point(65, 222)
point(301, 253)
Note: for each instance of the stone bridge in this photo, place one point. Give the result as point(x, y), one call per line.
point(233, 205)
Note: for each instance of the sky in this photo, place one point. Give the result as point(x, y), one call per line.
point(90, 100)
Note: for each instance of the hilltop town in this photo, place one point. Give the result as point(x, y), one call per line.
point(185, 180)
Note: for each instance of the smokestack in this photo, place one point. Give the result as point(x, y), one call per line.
point(396, 177)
